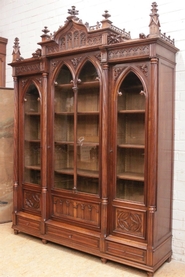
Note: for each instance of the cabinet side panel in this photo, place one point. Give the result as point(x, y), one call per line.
point(165, 151)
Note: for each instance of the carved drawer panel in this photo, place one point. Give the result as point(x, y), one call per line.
point(126, 252)
point(81, 211)
point(130, 222)
point(68, 237)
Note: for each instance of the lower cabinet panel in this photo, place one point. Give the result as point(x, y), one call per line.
point(126, 252)
point(81, 211)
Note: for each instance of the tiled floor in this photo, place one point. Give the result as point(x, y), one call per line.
point(23, 255)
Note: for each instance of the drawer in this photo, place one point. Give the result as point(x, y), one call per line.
point(69, 237)
point(28, 225)
point(126, 252)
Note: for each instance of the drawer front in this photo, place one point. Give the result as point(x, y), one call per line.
point(28, 225)
point(68, 237)
point(81, 211)
point(126, 252)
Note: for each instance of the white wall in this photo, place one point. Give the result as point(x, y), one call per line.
point(26, 18)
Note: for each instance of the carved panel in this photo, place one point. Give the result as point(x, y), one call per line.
point(75, 61)
point(77, 210)
point(27, 69)
point(129, 222)
point(32, 200)
point(129, 52)
point(117, 71)
point(94, 40)
point(144, 69)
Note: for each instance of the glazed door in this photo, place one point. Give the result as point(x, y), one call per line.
point(129, 144)
point(30, 146)
point(76, 145)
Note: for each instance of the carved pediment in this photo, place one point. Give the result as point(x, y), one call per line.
point(73, 34)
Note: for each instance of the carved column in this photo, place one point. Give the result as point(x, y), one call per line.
point(104, 148)
point(44, 152)
point(16, 151)
point(152, 159)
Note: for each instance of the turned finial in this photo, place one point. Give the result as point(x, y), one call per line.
point(154, 21)
point(45, 35)
point(106, 22)
point(16, 55)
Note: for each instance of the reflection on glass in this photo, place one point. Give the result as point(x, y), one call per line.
point(130, 140)
point(32, 153)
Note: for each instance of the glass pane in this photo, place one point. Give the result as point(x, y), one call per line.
point(88, 73)
point(32, 153)
point(130, 128)
point(130, 97)
point(130, 190)
point(64, 131)
point(88, 130)
point(130, 140)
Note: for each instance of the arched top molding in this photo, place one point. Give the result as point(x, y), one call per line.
point(27, 86)
point(137, 72)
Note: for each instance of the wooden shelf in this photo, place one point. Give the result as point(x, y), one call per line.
point(67, 171)
point(64, 85)
point(88, 173)
point(135, 146)
point(32, 113)
point(131, 111)
point(131, 176)
point(32, 140)
point(88, 113)
point(91, 84)
point(80, 172)
point(61, 142)
point(33, 167)
point(65, 113)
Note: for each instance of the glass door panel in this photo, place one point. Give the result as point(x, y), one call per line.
point(64, 131)
point(32, 153)
point(88, 130)
point(130, 140)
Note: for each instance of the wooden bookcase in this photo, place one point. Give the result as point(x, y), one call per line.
point(93, 156)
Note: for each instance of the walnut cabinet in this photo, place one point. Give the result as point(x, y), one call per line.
point(93, 155)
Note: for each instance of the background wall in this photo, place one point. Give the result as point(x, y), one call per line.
point(26, 19)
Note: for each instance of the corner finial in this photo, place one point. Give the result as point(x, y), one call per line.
point(154, 21)
point(16, 52)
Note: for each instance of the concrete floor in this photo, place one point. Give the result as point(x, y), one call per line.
point(23, 255)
